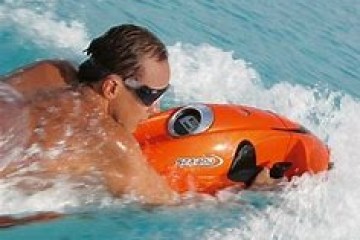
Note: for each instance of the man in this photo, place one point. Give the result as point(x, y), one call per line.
point(81, 122)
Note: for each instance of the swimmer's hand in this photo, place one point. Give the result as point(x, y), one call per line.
point(264, 181)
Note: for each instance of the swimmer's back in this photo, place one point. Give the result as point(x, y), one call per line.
point(42, 76)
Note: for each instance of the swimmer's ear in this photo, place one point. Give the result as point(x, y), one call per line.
point(110, 86)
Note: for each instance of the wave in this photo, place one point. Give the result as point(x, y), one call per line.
point(317, 204)
point(43, 27)
point(204, 73)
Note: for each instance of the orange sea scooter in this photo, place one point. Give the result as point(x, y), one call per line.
point(207, 147)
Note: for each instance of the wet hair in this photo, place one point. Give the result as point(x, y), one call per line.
point(120, 51)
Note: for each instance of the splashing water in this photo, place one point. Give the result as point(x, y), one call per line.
point(307, 211)
point(318, 203)
point(13, 125)
point(319, 207)
point(44, 29)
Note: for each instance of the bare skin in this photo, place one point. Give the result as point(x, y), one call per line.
point(9, 221)
point(263, 181)
point(93, 127)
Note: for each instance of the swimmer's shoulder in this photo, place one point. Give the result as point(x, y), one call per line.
point(42, 76)
point(124, 140)
point(120, 134)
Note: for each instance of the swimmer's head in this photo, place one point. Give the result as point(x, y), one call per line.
point(121, 51)
point(123, 55)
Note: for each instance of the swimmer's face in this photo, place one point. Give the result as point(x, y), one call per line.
point(127, 107)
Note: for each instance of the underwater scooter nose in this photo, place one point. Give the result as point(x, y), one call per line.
point(207, 147)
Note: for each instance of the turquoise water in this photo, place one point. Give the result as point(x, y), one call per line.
point(298, 58)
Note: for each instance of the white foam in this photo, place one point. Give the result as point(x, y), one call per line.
point(316, 206)
point(44, 28)
point(21, 195)
point(205, 73)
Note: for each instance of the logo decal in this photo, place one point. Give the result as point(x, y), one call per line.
point(203, 161)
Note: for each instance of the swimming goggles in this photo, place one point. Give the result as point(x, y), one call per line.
point(145, 94)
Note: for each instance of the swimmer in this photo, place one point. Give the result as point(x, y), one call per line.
point(81, 121)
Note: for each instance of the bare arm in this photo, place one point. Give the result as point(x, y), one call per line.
point(9, 221)
point(127, 172)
